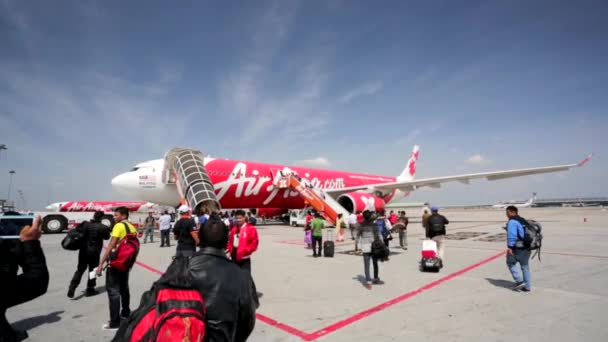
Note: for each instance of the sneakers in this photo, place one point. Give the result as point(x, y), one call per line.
point(110, 326)
point(378, 282)
point(525, 289)
point(71, 291)
point(368, 285)
point(519, 286)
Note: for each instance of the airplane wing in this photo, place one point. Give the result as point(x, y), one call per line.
point(411, 185)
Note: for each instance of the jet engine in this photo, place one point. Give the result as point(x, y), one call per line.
point(359, 201)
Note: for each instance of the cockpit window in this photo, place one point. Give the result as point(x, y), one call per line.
point(134, 169)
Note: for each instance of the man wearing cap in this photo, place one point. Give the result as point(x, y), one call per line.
point(436, 230)
point(185, 233)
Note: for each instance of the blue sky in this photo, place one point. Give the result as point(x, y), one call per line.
point(87, 89)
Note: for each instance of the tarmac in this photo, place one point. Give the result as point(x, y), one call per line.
point(306, 299)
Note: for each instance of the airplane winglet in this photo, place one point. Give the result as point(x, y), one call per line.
point(584, 161)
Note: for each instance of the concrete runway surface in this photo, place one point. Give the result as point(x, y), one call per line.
point(323, 299)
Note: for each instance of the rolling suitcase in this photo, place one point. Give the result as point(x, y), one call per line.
point(430, 261)
point(329, 245)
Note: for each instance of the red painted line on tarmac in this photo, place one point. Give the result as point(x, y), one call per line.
point(352, 319)
point(286, 328)
point(149, 268)
point(363, 314)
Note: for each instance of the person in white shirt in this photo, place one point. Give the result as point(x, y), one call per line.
point(164, 223)
point(352, 226)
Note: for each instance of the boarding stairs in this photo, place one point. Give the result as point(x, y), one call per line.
point(186, 169)
point(322, 202)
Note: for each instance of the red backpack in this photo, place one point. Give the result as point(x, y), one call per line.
point(124, 255)
point(172, 310)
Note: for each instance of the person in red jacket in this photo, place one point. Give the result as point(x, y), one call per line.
point(242, 242)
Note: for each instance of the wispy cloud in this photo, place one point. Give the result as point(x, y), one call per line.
point(320, 162)
point(476, 159)
point(294, 112)
point(364, 90)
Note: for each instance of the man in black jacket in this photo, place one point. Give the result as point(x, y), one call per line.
point(31, 283)
point(224, 286)
point(88, 256)
point(436, 230)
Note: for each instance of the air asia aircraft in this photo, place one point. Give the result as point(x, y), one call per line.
point(76, 206)
point(241, 184)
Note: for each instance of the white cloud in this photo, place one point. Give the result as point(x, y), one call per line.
point(316, 162)
point(476, 159)
point(364, 90)
point(291, 113)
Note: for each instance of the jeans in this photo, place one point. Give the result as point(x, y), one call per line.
point(117, 286)
point(165, 238)
point(317, 240)
point(521, 256)
point(85, 260)
point(149, 233)
point(366, 257)
point(245, 265)
point(403, 238)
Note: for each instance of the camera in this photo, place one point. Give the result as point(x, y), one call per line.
point(11, 224)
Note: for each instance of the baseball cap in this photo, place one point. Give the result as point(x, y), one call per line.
point(434, 208)
point(183, 209)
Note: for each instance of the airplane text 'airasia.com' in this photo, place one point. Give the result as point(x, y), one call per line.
point(242, 184)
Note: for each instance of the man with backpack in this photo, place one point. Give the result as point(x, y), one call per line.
point(94, 233)
point(436, 230)
point(123, 247)
point(384, 228)
point(226, 289)
point(517, 251)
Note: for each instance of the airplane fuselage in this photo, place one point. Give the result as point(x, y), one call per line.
point(241, 184)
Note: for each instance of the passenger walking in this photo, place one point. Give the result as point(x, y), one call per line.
point(401, 227)
point(308, 229)
point(340, 226)
point(352, 224)
point(242, 243)
point(516, 252)
point(90, 251)
point(149, 225)
point(384, 228)
point(226, 289)
point(164, 224)
point(185, 233)
point(436, 231)
point(367, 232)
point(117, 281)
point(425, 222)
point(317, 225)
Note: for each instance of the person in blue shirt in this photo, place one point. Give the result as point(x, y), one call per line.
point(516, 252)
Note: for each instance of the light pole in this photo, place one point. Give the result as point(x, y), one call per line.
point(10, 184)
point(3, 147)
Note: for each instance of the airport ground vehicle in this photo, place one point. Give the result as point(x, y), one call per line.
point(63, 216)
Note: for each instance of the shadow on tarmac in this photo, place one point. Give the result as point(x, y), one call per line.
point(100, 290)
point(33, 322)
point(506, 284)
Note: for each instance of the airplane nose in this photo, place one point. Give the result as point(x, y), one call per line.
point(121, 182)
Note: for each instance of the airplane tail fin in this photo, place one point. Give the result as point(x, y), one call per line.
point(410, 168)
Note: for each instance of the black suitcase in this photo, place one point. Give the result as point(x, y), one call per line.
point(430, 264)
point(329, 247)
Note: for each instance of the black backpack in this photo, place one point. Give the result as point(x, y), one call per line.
point(533, 237)
point(172, 310)
point(74, 239)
